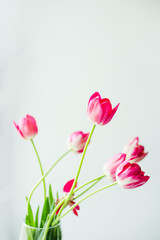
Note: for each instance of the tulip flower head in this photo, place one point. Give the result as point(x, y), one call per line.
point(134, 150)
point(112, 164)
point(77, 141)
point(100, 110)
point(66, 189)
point(129, 175)
point(27, 127)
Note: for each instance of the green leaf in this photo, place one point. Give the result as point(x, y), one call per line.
point(57, 195)
point(36, 218)
point(27, 220)
point(50, 234)
point(45, 212)
point(53, 206)
point(29, 232)
point(51, 199)
point(30, 216)
point(44, 226)
point(60, 233)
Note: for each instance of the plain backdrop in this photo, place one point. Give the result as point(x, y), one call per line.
point(53, 55)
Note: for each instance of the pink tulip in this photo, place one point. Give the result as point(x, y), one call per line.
point(134, 150)
point(77, 141)
point(27, 127)
point(112, 164)
point(100, 109)
point(67, 187)
point(129, 175)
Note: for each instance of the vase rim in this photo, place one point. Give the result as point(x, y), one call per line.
point(39, 228)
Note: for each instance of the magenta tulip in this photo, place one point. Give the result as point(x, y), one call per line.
point(77, 141)
point(129, 175)
point(112, 164)
point(67, 187)
point(27, 127)
point(134, 150)
point(100, 110)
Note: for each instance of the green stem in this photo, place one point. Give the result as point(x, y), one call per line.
point(44, 184)
point(78, 172)
point(85, 184)
point(95, 182)
point(89, 195)
point(62, 201)
point(51, 217)
point(47, 174)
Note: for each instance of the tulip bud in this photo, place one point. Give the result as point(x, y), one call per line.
point(27, 127)
point(129, 175)
point(134, 150)
point(77, 141)
point(112, 164)
point(100, 109)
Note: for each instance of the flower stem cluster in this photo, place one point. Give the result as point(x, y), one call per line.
point(121, 169)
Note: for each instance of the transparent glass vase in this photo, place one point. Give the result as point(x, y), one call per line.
point(31, 233)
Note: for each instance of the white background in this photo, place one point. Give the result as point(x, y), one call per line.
point(53, 56)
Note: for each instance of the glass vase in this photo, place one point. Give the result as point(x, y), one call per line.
point(32, 233)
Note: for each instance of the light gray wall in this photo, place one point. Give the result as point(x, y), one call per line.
point(53, 56)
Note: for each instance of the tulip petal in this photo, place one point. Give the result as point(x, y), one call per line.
point(114, 110)
point(112, 164)
point(134, 150)
point(95, 111)
point(137, 158)
point(77, 207)
point(107, 108)
point(95, 95)
point(75, 211)
point(129, 147)
point(17, 127)
point(67, 187)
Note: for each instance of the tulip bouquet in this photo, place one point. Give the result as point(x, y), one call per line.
point(122, 169)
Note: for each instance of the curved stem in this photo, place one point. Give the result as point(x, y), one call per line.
point(44, 184)
point(95, 182)
point(78, 172)
point(89, 195)
point(85, 184)
point(47, 174)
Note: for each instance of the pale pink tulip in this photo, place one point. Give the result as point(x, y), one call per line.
point(129, 175)
point(134, 150)
point(112, 164)
point(100, 109)
point(77, 141)
point(27, 127)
